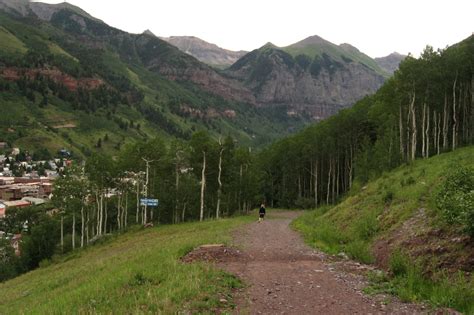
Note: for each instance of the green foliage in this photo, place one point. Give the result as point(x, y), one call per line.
point(456, 198)
point(8, 260)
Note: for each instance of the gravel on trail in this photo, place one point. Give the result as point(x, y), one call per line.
point(283, 275)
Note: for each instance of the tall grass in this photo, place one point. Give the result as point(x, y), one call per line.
point(138, 272)
point(410, 284)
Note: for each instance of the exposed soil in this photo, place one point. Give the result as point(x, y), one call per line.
point(71, 83)
point(441, 249)
point(285, 276)
point(215, 253)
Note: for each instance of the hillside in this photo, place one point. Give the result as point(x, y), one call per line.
point(72, 79)
point(203, 51)
point(395, 214)
point(312, 78)
point(138, 272)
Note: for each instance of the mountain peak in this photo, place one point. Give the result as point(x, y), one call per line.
point(148, 32)
point(269, 45)
point(311, 40)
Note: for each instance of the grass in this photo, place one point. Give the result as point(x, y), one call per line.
point(409, 283)
point(10, 43)
point(335, 52)
point(138, 272)
point(379, 210)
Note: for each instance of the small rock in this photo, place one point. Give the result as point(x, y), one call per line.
point(223, 301)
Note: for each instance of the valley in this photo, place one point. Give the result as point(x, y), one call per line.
point(131, 165)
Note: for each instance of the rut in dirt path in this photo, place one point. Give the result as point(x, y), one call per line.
point(285, 276)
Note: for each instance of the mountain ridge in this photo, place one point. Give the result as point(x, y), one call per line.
point(206, 52)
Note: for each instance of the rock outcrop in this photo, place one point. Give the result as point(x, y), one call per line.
point(208, 53)
point(391, 62)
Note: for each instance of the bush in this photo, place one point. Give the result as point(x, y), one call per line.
point(456, 198)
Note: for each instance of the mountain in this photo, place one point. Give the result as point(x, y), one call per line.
point(68, 79)
point(391, 62)
point(312, 78)
point(208, 53)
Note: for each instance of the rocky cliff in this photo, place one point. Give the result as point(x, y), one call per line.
point(317, 85)
point(391, 62)
point(208, 53)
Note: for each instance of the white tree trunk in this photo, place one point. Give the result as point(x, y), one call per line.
point(203, 187)
point(413, 127)
point(219, 181)
point(455, 121)
point(316, 166)
point(82, 225)
point(427, 133)
point(74, 230)
point(329, 182)
point(445, 122)
point(423, 124)
point(138, 201)
point(400, 126)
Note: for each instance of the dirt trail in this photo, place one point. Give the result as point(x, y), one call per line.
point(285, 276)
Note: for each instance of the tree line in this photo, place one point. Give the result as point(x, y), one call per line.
point(199, 179)
point(425, 109)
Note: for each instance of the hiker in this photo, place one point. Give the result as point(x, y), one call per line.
point(261, 213)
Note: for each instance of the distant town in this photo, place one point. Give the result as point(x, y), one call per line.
point(25, 181)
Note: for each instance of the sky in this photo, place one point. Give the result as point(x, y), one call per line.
point(375, 27)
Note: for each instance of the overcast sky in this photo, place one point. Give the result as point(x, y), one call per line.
point(376, 27)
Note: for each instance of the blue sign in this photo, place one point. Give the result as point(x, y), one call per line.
point(149, 202)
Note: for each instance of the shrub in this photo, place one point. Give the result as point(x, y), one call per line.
point(456, 198)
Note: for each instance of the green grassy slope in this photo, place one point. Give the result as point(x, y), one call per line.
point(394, 220)
point(343, 52)
point(138, 272)
point(9, 43)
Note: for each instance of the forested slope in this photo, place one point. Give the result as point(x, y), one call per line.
point(425, 109)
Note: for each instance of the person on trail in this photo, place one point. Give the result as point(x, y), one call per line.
point(261, 213)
